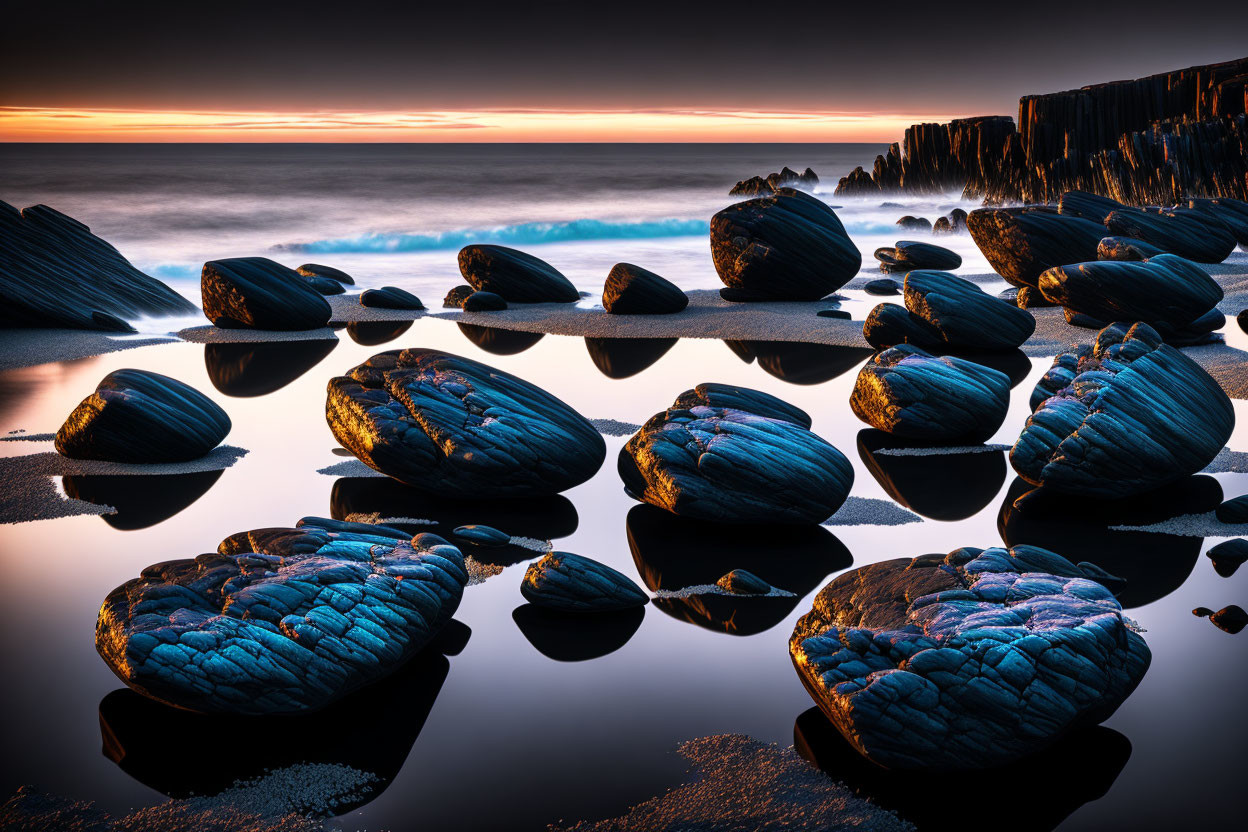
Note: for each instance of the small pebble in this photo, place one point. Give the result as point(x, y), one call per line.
point(484, 302)
point(741, 582)
point(840, 314)
point(482, 535)
point(882, 286)
point(1230, 619)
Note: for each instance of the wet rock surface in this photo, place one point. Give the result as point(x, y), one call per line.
point(1021, 244)
point(390, 297)
point(790, 246)
point(1233, 213)
point(280, 620)
point(632, 290)
point(55, 273)
point(1125, 248)
point(966, 660)
point(142, 417)
point(566, 582)
point(735, 455)
point(906, 392)
point(909, 255)
point(326, 272)
point(1182, 231)
point(257, 293)
point(1125, 415)
point(944, 311)
point(742, 582)
point(459, 428)
point(514, 276)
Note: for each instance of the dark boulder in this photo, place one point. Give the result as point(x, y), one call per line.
point(1228, 556)
point(790, 246)
point(1124, 416)
point(328, 272)
point(484, 302)
point(1125, 248)
point(1167, 292)
point(55, 273)
point(908, 393)
point(514, 276)
point(909, 223)
point(571, 583)
point(1021, 244)
point(280, 621)
point(745, 457)
point(390, 297)
point(772, 182)
point(857, 182)
point(1088, 206)
point(883, 286)
point(256, 293)
point(481, 535)
point(946, 312)
point(1182, 231)
point(458, 428)
point(141, 417)
point(909, 255)
point(455, 298)
point(1234, 511)
point(324, 285)
point(1230, 619)
point(1233, 213)
point(968, 660)
point(632, 290)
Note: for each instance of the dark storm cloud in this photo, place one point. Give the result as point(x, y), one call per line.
point(935, 57)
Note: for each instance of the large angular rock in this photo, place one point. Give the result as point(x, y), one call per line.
point(257, 293)
point(967, 660)
point(514, 276)
point(790, 246)
point(735, 456)
point(136, 416)
point(1182, 231)
point(280, 621)
point(946, 312)
point(1167, 292)
point(911, 394)
point(909, 255)
point(55, 273)
point(632, 290)
point(571, 583)
point(458, 428)
point(1021, 244)
point(1124, 416)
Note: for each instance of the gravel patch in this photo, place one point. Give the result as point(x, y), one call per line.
point(614, 427)
point(30, 347)
point(1191, 525)
point(953, 449)
point(215, 335)
point(478, 572)
point(1228, 462)
point(869, 511)
point(349, 468)
point(716, 589)
point(23, 436)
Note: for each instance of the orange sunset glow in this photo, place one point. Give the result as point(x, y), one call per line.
point(35, 124)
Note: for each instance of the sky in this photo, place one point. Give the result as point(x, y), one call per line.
point(585, 71)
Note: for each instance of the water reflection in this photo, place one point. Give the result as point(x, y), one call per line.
point(572, 637)
point(624, 357)
point(1032, 795)
point(922, 483)
point(140, 500)
point(1014, 363)
point(257, 369)
point(672, 553)
point(180, 753)
point(1080, 529)
point(374, 333)
point(800, 363)
point(498, 341)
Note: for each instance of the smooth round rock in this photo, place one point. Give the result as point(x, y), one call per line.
point(944, 311)
point(514, 276)
point(136, 416)
point(257, 293)
point(882, 286)
point(910, 223)
point(327, 272)
point(1182, 231)
point(742, 582)
point(391, 297)
point(909, 255)
point(484, 302)
point(571, 583)
point(482, 535)
point(1125, 248)
point(325, 285)
point(632, 290)
point(455, 298)
point(1021, 244)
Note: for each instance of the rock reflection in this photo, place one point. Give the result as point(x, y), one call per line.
point(1079, 768)
point(624, 357)
point(569, 637)
point(141, 500)
point(1015, 363)
point(800, 363)
point(672, 553)
point(499, 341)
point(180, 753)
point(536, 518)
point(1081, 529)
point(923, 483)
point(256, 369)
point(373, 333)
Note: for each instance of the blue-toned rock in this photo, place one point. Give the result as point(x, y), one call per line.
point(943, 312)
point(755, 462)
point(326, 272)
point(484, 302)
point(632, 290)
point(911, 394)
point(790, 246)
point(1022, 243)
point(1124, 416)
point(909, 255)
point(1190, 234)
point(1088, 206)
point(257, 293)
point(390, 297)
point(571, 583)
point(1125, 248)
point(482, 535)
point(1166, 292)
point(454, 427)
point(968, 660)
point(279, 621)
point(742, 582)
point(1233, 213)
point(514, 276)
point(882, 286)
point(140, 417)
